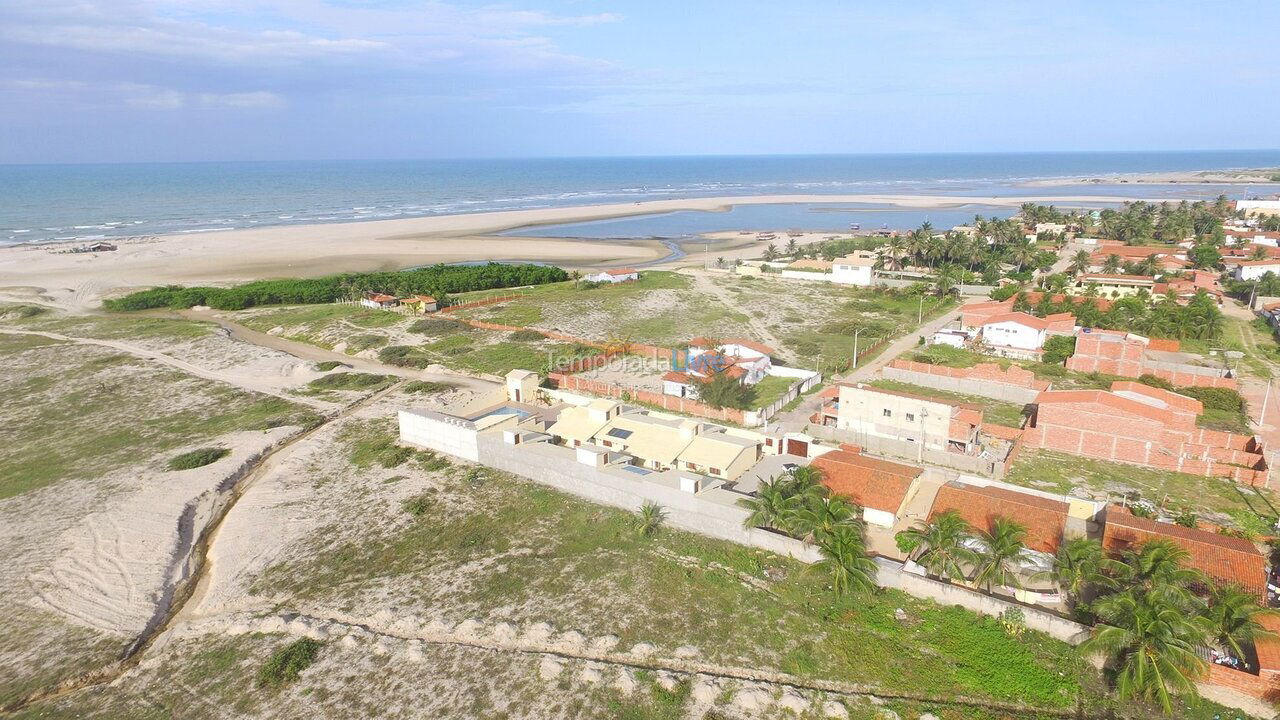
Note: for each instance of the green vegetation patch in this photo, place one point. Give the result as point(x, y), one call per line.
point(285, 664)
point(1226, 500)
point(351, 381)
point(198, 458)
point(427, 387)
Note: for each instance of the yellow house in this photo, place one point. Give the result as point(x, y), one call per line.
point(420, 304)
point(719, 455)
point(577, 425)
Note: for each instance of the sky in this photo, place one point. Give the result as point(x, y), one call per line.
point(178, 80)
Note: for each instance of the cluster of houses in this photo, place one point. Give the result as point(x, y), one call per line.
point(419, 304)
point(856, 268)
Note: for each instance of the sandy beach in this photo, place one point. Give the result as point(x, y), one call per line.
point(1250, 176)
point(79, 281)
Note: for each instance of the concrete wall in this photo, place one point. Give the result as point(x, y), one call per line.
point(684, 510)
point(440, 432)
point(890, 574)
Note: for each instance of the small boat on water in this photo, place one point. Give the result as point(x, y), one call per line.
point(855, 226)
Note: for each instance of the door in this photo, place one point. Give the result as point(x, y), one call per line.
point(798, 448)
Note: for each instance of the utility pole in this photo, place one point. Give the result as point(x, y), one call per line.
point(1262, 418)
point(920, 312)
point(855, 348)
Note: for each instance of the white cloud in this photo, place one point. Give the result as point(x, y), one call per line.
point(254, 100)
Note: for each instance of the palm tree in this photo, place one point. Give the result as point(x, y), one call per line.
point(771, 505)
point(816, 516)
point(845, 560)
point(1150, 642)
point(940, 545)
point(1002, 546)
point(1079, 262)
point(895, 249)
point(947, 278)
point(1111, 264)
point(1232, 616)
point(1159, 566)
point(1079, 566)
point(650, 518)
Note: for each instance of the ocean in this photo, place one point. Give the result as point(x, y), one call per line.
point(41, 203)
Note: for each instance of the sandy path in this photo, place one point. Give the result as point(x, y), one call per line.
point(266, 386)
point(703, 282)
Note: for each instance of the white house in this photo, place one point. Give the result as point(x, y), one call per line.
point(1020, 334)
point(954, 338)
point(857, 268)
point(1255, 269)
point(379, 301)
point(615, 275)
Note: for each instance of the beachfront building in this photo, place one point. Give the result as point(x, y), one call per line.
point(1022, 335)
point(1112, 285)
point(856, 268)
point(615, 275)
point(1259, 207)
point(879, 487)
point(1255, 269)
point(420, 304)
point(379, 301)
point(873, 412)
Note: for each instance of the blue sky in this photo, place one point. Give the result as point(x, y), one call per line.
point(117, 80)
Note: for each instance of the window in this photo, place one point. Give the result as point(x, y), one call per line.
point(715, 471)
point(608, 444)
point(911, 417)
point(620, 433)
point(888, 412)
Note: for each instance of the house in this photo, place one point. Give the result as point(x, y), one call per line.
point(1019, 334)
point(616, 275)
point(1259, 207)
point(577, 425)
point(1224, 558)
point(952, 338)
point(879, 487)
point(747, 359)
point(420, 304)
point(1250, 236)
point(719, 454)
point(379, 301)
point(1113, 285)
point(653, 441)
point(857, 268)
point(522, 385)
point(1255, 269)
point(894, 415)
point(1044, 519)
point(100, 246)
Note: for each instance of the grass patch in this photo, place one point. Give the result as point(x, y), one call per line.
point(526, 336)
point(373, 443)
point(427, 387)
point(436, 326)
point(771, 389)
point(351, 381)
point(328, 365)
point(1222, 498)
point(198, 458)
point(285, 664)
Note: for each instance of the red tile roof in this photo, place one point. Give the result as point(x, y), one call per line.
point(758, 347)
point(380, 298)
point(1043, 518)
point(621, 271)
point(1020, 318)
point(1116, 276)
point(870, 482)
point(1222, 557)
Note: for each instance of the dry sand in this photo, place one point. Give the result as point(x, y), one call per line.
point(1210, 177)
point(79, 281)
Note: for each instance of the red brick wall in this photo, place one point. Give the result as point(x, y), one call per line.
point(1190, 380)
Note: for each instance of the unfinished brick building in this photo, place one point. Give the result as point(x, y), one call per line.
point(1115, 352)
point(1141, 425)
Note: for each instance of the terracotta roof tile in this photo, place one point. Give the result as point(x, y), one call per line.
point(870, 482)
point(1225, 558)
point(1043, 518)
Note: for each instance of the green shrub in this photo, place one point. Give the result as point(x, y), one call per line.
point(1216, 398)
point(348, 381)
point(724, 390)
point(285, 664)
point(364, 342)
point(1155, 381)
point(418, 505)
point(527, 335)
point(198, 458)
point(328, 365)
point(404, 356)
point(427, 387)
point(1058, 348)
point(436, 326)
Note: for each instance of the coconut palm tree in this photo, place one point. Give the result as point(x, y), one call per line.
point(1111, 264)
point(771, 505)
point(1002, 546)
point(1081, 566)
point(649, 520)
point(845, 560)
point(814, 517)
point(939, 545)
point(1079, 262)
point(1150, 642)
point(1232, 618)
point(1159, 567)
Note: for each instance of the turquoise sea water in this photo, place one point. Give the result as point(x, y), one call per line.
point(47, 202)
